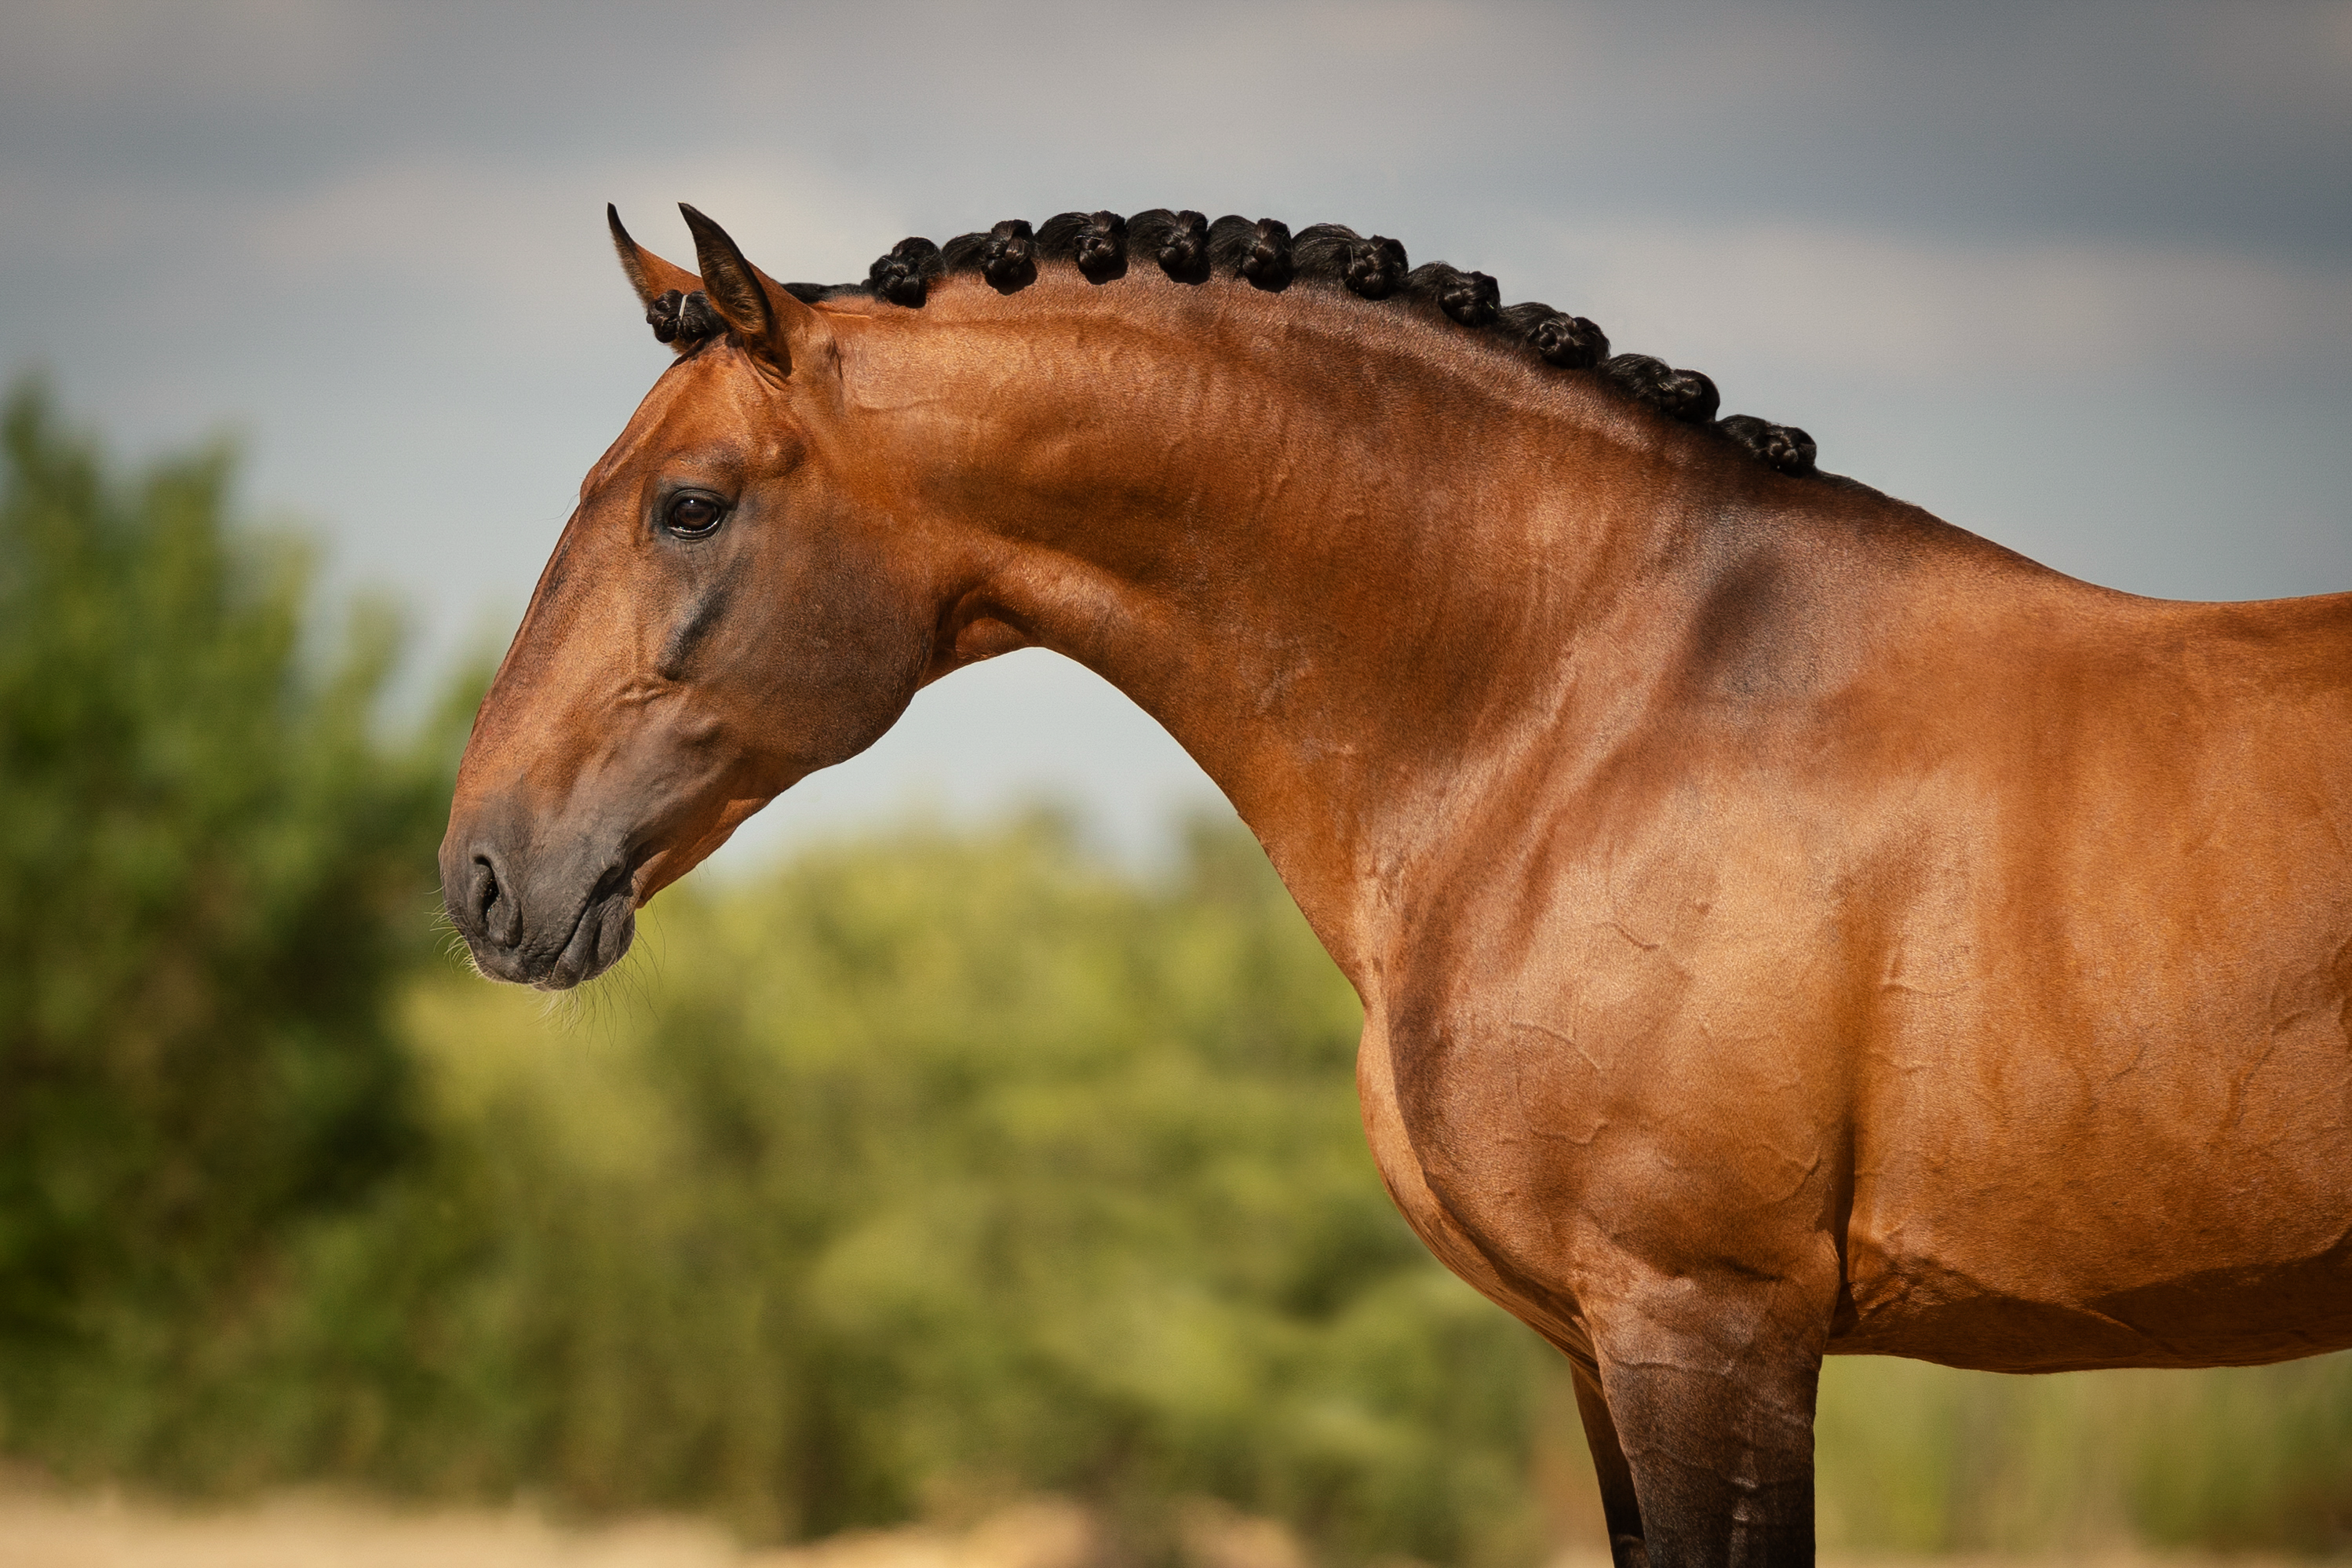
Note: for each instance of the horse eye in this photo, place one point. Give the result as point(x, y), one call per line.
point(693, 516)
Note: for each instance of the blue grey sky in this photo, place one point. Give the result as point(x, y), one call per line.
point(2078, 277)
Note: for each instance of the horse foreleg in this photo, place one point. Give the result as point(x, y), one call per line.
point(1710, 1396)
point(1618, 1503)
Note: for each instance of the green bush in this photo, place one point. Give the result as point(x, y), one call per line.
point(210, 874)
point(1920, 1458)
point(942, 1169)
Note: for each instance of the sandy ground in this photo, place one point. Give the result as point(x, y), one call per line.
point(43, 1529)
point(46, 1529)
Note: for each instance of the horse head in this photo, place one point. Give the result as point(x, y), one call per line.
point(717, 619)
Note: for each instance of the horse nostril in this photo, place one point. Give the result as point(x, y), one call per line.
point(500, 918)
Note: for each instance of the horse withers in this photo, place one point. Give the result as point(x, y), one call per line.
point(1786, 923)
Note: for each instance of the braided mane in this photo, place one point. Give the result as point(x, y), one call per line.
point(1190, 248)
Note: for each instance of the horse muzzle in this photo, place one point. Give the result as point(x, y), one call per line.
point(550, 921)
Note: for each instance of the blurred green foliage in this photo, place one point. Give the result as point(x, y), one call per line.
point(942, 1169)
point(1920, 1458)
point(917, 1174)
point(209, 878)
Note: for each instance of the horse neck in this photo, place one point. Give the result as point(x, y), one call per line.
point(1341, 557)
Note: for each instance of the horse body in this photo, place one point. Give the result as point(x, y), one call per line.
point(2045, 1032)
point(2132, 944)
point(1786, 923)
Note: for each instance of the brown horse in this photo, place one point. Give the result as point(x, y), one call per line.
point(1786, 923)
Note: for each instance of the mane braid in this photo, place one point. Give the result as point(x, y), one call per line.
point(902, 274)
point(1264, 253)
point(1095, 242)
point(1373, 268)
point(1177, 241)
point(964, 253)
point(1684, 395)
point(1009, 261)
point(1472, 299)
point(1259, 252)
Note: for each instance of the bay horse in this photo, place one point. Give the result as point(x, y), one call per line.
point(1786, 923)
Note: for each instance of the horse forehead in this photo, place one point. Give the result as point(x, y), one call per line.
point(695, 404)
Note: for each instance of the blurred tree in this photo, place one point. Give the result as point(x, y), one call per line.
point(211, 871)
point(935, 1170)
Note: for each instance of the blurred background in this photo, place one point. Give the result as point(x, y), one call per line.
point(979, 1125)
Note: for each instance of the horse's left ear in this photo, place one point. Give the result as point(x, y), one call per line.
point(649, 274)
point(771, 323)
point(660, 287)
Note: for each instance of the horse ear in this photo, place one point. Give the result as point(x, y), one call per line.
point(649, 274)
point(771, 323)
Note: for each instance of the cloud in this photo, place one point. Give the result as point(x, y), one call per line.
point(1905, 310)
point(225, 53)
point(473, 224)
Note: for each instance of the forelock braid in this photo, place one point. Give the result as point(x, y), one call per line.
point(673, 315)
